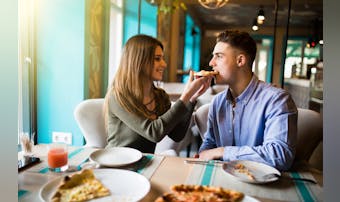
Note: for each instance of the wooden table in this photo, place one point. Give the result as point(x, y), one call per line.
point(167, 172)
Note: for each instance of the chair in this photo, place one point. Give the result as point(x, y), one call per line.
point(309, 124)
point(201, 118)
point(310, 135)
point(90, 118)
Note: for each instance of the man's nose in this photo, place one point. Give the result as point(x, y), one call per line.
point(211, 62)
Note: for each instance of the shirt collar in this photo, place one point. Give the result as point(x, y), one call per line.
point(246, 94)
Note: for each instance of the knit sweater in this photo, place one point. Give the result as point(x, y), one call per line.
point(129, 130)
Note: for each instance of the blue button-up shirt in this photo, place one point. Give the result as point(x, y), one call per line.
point(261, 127)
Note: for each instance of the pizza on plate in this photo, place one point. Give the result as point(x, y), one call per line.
point(81, 186)
point(205, 73)
point(199, 193)
point(243, 169)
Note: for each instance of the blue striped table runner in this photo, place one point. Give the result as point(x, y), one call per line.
point(212, 174)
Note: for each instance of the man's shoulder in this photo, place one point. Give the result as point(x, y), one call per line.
point(270, 88)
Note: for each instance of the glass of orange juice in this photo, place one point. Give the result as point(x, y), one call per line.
point(57, 157)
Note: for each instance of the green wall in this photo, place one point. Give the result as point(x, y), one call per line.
point(60, 67)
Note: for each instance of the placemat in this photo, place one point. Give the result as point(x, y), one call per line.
point(212, 174)
point(79, 155)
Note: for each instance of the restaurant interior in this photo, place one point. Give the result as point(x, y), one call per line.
point(68, 52)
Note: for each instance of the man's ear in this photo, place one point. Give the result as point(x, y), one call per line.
point(241, 60)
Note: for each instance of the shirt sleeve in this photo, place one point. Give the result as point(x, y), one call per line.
point(182, 126)
point(153, 130)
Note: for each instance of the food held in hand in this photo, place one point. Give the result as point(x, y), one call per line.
point(199, 193)
point(81, 186)
point(205, 73)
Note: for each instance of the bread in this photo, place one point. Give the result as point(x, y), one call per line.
point(205, 73)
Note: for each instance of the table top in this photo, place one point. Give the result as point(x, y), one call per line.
point(165, 171)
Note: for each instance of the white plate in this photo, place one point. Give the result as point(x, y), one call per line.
point(249, 199)
point(258, 170)
point(124, 185)
point(116, 156)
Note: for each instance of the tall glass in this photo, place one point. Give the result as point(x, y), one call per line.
point(57, 157)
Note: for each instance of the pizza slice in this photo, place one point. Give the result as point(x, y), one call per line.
point(205, 73)
point(81, 186)
point(199, 193)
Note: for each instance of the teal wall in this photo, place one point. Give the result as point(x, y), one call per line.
point(192, 45)
point(270, 55)
point(60, 67)
point(148, 21)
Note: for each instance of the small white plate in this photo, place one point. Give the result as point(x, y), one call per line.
point(247, 198)
point(256, 169)
point(116, 156)
point(124, 185)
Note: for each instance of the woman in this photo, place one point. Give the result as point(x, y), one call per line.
point(138, 114)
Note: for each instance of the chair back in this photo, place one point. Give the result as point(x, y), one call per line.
point(201, 118)
point(309, 126)
point(90, 119)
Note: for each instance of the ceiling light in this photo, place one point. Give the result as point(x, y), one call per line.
point(255, 27)
point(260, 16)
point(212, 4)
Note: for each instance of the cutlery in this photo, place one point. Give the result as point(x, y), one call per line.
point(204, 162)
point(273, 175)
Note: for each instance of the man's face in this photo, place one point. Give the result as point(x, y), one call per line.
point(224, 61)
point(159, 65)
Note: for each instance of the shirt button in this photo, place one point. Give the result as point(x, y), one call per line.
point(229, 131)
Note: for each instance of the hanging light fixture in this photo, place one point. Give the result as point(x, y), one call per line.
point(212, 4)
point(260, 16)
point(255, 27)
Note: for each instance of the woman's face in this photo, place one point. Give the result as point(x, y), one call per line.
point(159, 65)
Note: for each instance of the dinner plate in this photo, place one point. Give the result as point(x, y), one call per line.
point(116, 156)
point(247, 198)
point(124, 185)
point(253, 172)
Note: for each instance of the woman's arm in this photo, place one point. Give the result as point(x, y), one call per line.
point(178, 133)
point(153, 130)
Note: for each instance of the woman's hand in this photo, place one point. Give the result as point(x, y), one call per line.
point(195, 87)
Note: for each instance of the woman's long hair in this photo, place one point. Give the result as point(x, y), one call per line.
point(135, 69)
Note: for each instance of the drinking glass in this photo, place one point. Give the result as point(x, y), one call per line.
point(57, 157)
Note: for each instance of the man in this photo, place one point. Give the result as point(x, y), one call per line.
point(250, 120)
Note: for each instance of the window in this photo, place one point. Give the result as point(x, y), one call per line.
point(299, 57)
point(124, 23)
point(26, 108)
point(192, 47)
point(116, 36)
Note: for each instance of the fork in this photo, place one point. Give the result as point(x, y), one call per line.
point(204, 162)
point(272, 175)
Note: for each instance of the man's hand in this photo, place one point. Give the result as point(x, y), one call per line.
point(211, 154)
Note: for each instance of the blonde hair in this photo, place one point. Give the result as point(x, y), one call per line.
point(135, 69)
